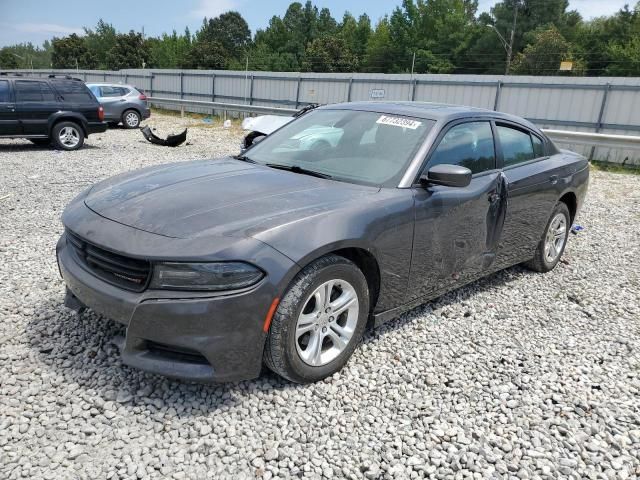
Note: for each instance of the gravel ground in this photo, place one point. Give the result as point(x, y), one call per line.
point(520, 375)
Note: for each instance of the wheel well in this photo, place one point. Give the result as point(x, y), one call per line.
point(129, 109)
point(570, 200)
point(368, 264)
point(68, 119)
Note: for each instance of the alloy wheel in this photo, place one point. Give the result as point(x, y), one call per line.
point(555, 238)
point(327, 322)
point(69, 137)
point(131, 119)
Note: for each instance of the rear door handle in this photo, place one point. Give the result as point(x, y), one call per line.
point(553, 179)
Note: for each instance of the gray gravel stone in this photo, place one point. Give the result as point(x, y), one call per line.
point(519, 375)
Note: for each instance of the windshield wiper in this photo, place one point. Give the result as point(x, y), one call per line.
point(244, 158)
point(298, 169)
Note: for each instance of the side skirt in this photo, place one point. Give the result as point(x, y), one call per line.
point(383, 317)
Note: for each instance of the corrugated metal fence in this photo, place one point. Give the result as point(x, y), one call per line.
point(603, 104)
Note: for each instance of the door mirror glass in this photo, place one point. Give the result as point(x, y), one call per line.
point(447, 175)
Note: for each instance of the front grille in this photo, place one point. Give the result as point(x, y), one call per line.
point(128, 273)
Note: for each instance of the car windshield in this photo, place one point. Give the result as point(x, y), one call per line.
point(348, 145)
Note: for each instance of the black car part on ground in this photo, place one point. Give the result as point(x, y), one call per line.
point(170, 141)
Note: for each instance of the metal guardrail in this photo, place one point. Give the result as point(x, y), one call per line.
point(560, 136)
point(595, 139)
point(227, 107)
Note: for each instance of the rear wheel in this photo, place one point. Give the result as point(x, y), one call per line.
point(131, 119)
point(553, 241)
point(319, 321)
point(67, 136)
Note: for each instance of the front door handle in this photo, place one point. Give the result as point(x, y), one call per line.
point(553, 179)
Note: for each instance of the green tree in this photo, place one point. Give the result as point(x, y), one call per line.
point(169, 51)
point(7, 59)
point(129, 51)
point(100, 41)
point(230, 30)
point(72, 52)
point(544, 54)
point(379, 56)
point(207, 55)
point(329, 54)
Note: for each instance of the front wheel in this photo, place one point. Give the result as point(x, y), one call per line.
point(67, 136)
point(553, 241)
point(319, 321)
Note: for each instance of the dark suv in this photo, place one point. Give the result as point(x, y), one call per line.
point(56, 110)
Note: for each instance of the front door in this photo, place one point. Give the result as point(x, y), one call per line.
point(113, 101)
point(457, 229)
point(35, 103)
point(9, 124)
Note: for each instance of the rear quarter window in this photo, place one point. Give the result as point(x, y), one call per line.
point(73, 91)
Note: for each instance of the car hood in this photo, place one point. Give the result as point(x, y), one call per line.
point(217, 197)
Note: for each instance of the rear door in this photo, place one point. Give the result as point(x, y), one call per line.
point(35, 102)
point(532, 186)
point(457, 229)
point(9, 124)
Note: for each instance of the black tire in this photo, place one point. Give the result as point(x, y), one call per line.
point(74, 127)
point(131, 119)
point(280, 354)
point(41, 142)
point(539, 262)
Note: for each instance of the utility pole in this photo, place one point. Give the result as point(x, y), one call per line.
point(513, 30)
point(413, 64)
point(508, 46)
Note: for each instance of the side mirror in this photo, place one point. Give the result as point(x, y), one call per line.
point(447, 175)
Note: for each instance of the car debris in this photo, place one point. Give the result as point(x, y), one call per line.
point(170, 141)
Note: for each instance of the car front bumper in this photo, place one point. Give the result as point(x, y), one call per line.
point(184, 335)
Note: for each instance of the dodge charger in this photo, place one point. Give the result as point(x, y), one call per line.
point(338, 221)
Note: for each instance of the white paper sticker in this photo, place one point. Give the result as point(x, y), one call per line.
point(398, 122)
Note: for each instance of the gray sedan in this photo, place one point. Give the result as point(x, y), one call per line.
point(121, 103)
point(283, 255)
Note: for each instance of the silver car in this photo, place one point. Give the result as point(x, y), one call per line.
point(121, 103)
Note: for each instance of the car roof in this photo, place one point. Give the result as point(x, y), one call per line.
point(102, 84)
point(428, 110)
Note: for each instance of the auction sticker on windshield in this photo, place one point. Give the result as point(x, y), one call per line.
point(399, 122)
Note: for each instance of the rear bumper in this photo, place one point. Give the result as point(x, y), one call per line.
point(198, 338)
point(146, 113)
point(96, 127)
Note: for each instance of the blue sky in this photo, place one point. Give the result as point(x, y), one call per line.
point(37, 20)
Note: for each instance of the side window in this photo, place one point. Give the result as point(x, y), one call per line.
point(33, 92)
point(469, 145)
point(4, 91)
point(538, 146)
point(95, 90)
point(516, 145)
point(73, 90)
point(108, 91)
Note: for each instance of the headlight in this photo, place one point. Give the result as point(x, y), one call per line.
point(205, 276)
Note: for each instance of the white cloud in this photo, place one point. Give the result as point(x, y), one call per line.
point(212, 8)
point(47, 28)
